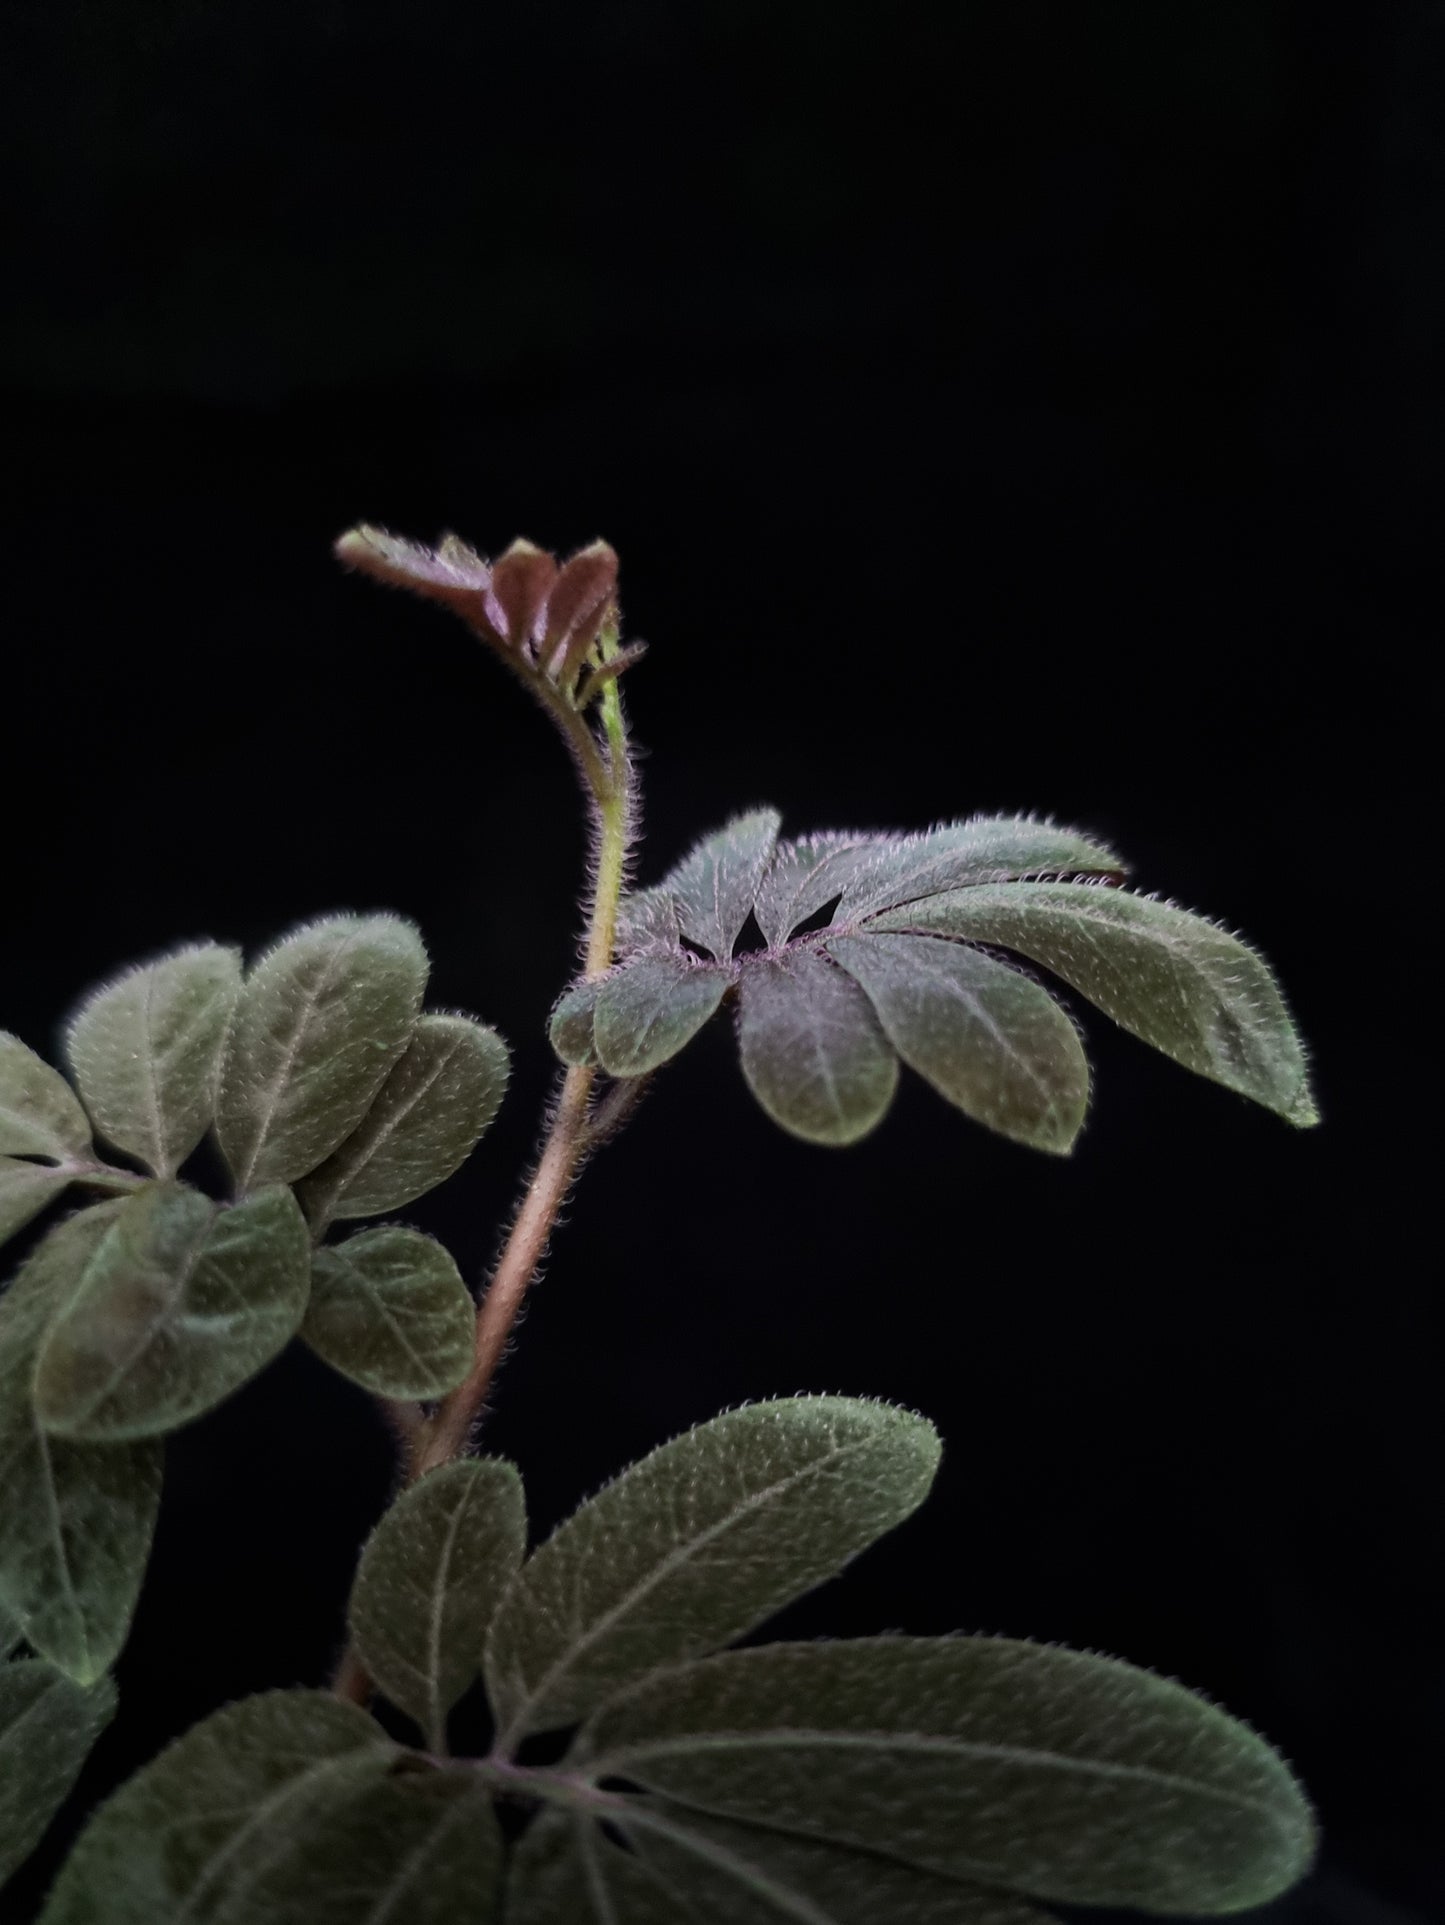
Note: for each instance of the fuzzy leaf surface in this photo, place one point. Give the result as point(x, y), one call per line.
point(696, 1544)
point(25, 1190)
point(420, 1847)
point(804, 876)
point(1022, 1766)
point(77, 1519)
point(961, 855)
point(145, 1052)
point(429, 1580)
point(566, 1871)
point(319, 1024)
point(812, 1049)
point(423, 1125)
point(40, 1114)
point(645, 1013)
point(48, 1726)
point(571, 1026)
point(714, 884)
point(647, 923)
point(1175, 980)
point(389, 1309)
point(194, 1835)
point(179, 1305)
point(988, 1039)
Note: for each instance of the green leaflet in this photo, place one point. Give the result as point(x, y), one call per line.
point(389, 1310)
point(146, 1051)
point(197, 1833)
point(804, 876)
point(77, 1520)
point(647, 923)
point(646, 1012)
point(714, 884)
point(566, 1871)
point(48, 1725)
point(177, 1307)
point(420, 1847)
point(570, 1027)
point(1192, 990)
point(428, 1583)
point(319, 1024)
point(696, 1544)
point(11, 1635)
point(812, 1050)
point(39, 1113)
point(987, 1038)
point(423, 1125)
point(25, 1189)
point(984, 849)
point(1022, 1766)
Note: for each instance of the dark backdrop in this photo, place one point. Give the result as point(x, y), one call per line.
point(995, 406)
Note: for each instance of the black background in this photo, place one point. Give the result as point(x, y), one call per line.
point(995, 406)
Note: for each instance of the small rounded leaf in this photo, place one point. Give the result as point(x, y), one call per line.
point(320, 1022)
point(571, 1025)
point(429, 1580)
point(698, 1543)
point(389, 1310)
point(421, 1127)
point(146, 1051)
point(650, 1009)
point(179, 1306)
point(48, 1725)
point(39, 1112)
point(812, 1049)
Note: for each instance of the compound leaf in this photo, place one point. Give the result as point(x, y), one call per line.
point(196, 1833)
point(423, 1125)
point(804, 876)
point(25, 1189)
point(1027, 1767)
point(698, 1543)
point(961, 854)
point(646, 1011)
point(714, 884)
point(389, 1310)
point(40, 1114)
point(812, 1049)
point(77, 1520)
point(567, 1871)
point(989, 1039)
point(48, 1725)
point(429, 1580)
point(1190, 989)
point(146, 1050)
point(177, 1307)
point(319, 1024)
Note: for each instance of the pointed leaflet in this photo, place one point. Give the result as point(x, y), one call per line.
point(76, 1521)
point(1192, 990)
point(428, 1583)
point(180, 1305)
point(986, 1037)
point(714, 884)
point(698, 1543)
point(389, 1310)
point(25, 1189)
point(1027, 1767)
point(983, 849)
point(421, 1847)
point(319, 1024)
point(194, 1833)
point(422, 1126)
point(47, 1728)
point(804, 876)
point(39, 1113)
point(647, 1010)
point(812, 1049)
point(146, 1051)
point(571, 1025)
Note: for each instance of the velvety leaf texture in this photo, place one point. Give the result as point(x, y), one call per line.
point(1024, 1767)
point(77, 1519)
point(903, 917)
point(146, 1052)
point(428, 1584)
point(40, 1114)
point(25, 1190)
point(422, 1126)
point(389, 1310)
point(179, 1305)
point(48, 1725)
point(698, 1543)
point(198, 1832)
point(567, 1871)
point(320, 1022)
